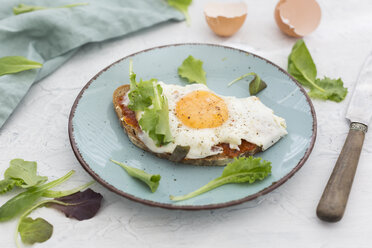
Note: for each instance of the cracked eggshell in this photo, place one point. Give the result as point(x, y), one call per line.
point(225, 19)
point(297, 18)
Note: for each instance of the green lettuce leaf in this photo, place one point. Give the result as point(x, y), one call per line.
point(8, 184)
point(141, 95)
point(20, 169)
point(182, 6)
point(334, 90)
point(255, 86)
point(34, 231)
point(14, 64)
point(23, 8)
point(301, 66)
point(151, 180)
point(241, 170)
point(147, 96)
point(192, 70)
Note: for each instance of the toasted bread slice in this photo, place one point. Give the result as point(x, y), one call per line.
point(132, 129)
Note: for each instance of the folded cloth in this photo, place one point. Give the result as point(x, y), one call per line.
point(52, 36)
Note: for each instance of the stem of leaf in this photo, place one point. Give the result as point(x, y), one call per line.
point(157, 102)
point(209, 186)
point(120, 164)
point(240, 78)
point(73, 5)
point(309, 80)
point(56, 182)
point(187, 16)
point(56, 194)
point(312, 83)
point(130, 68)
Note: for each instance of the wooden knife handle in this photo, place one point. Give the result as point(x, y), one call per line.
point(332, 204)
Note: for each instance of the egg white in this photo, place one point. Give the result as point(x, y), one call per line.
point(249, 119)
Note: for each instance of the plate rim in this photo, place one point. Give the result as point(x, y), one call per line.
point(266, 190)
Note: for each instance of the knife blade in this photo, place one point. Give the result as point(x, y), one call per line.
point(333, 202)
point(361, 101)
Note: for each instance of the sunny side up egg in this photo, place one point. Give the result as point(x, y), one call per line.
point(201, 119)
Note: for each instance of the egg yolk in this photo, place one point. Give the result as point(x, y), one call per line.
point(202, 109)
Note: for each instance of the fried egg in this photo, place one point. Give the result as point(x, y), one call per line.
point(202, 119)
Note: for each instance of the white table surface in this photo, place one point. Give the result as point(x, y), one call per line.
point(37, 130)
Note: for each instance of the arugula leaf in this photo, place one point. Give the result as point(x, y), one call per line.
point(151, 180)
point(34, 231)
point(23, 8)
point(301, 66)
point(14, 64)
point(241, 170)
point(80, 205)
point(147, 96)
point(182, 6)
point(21, 202)
point(192, 70)
point(24, 171)
point(255, 86)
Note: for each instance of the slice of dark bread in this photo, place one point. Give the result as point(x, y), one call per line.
point(133, 131)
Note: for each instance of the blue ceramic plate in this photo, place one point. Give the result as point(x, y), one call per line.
point(96, 134)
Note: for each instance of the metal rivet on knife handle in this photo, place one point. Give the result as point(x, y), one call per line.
point(333, 202)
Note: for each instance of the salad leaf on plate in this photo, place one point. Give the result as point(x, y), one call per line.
point(255, 86)
point(150, 179)
point(147, 96)
point(192, 70)
point(301, 66)
point(241, 170)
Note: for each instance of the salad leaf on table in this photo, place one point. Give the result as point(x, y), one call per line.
point(75, 204)
point(241, 170)
point(301, 66)
point(21, 202)
point(8, 184)
point(80, 205)
point(255, 86)
point(14, 64)
point(34, 231)
point(192, 70)
point(24, 171)
point(182, 6)
point(151, 180)
point(24, 8)
point(147, 96)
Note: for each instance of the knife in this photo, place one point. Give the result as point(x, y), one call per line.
point(332, 204)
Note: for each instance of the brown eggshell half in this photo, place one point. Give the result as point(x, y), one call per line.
point(297, 18)
point(225, 19)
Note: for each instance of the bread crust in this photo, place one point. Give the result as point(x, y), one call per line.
point(132, 132)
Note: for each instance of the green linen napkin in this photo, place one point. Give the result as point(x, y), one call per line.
point(52, 36)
